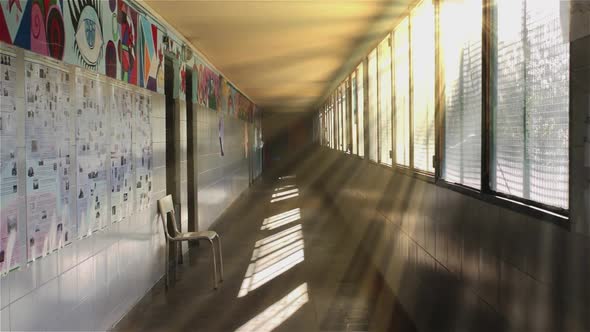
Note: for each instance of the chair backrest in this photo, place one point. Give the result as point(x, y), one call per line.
point(166, 209)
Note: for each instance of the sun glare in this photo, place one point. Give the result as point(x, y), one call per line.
point(273, 256)
point(282, 219)
point(282, 198)
point(275, 315)
point(284, 193)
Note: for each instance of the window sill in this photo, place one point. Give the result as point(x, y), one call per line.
point(559, 218)
point(556, 218)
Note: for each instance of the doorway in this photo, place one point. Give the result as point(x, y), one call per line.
point(191, 152)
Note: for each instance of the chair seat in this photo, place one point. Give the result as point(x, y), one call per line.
point(209, 235)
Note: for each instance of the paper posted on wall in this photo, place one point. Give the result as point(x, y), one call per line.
point(142, 151)
point(10, 249)
point(91, 148)
point(47, 139)
point(122, 104)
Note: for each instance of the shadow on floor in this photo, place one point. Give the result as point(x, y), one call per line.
point(289, 266)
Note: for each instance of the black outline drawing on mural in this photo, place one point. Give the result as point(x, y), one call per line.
point(221, 133)
point(77, 8)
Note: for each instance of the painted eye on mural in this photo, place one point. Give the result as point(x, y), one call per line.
point(86, 21)
point(90, 29)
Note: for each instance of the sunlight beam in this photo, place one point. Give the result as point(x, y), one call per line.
point(275, 315)
point(287, 192)
point(283, 198)
point(285, 187)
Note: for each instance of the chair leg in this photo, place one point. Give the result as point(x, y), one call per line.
point(179, 252)
point(214, 263)
point(220, 257)
point(167, 265)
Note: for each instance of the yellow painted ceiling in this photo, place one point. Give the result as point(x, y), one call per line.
point(285, 55)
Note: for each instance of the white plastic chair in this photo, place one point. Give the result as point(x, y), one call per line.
point(166, 208)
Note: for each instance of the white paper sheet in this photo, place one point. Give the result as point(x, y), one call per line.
point(47, 139)
point(142, 151)
point(91, 147)
point(10, 249)
point(121, 154)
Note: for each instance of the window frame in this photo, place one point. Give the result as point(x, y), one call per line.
point(555, 215)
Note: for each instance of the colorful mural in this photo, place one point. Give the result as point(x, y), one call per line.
point(126, 48)
point(224, 94)
point(113, 39)
point(245, 108)
point(232, 101)
point(208, 87)
point(34, 25)
point(84, 26)
point(173, 49)
point(150, 56)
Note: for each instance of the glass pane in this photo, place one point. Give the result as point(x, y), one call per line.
point(361, 108)
point(401, 64)
point(373, 105)
point(531, 120)
point(461, 46)
point(354, 120)
point(385, 101)
point(345, 119)
point(422, 50)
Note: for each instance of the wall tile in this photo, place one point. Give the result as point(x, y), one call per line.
point(23, 316)
point(22, 282)
point(4, 291)
point(5, 319)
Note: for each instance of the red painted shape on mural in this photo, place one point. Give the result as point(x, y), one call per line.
point(183, 80)
point(12, 3)
point(155, 38)
point(4, 34)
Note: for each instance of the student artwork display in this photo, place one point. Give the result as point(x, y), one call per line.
point(109, 37)
point(142, 151)
point(231, 101)
point(10, 249)
point(34, 25)
point(122, 181)
point(208, 87)
point(221, 135)
point(47, 151)
point(245, 107)
point(91, 148)
point(150, 55)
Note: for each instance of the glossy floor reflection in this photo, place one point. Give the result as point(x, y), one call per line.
point(290, 266)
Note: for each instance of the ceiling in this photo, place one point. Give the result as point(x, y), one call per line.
point(285, 55)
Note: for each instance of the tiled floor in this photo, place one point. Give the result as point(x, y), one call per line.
point(289, 266)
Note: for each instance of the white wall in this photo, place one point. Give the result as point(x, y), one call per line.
point(93, 282)
point(221, 179)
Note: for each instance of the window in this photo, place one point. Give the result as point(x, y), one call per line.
point(354, 120)
point(528, 109)
point(361, 108)
point(341, 128)
point(462, 52)
point(339, 110)
point(345, 117)
point(423, 59)
point(329, 123)
point(322, 128)
point(373, 132)
point(530, 156)
point(385, 101)
point(401, 51)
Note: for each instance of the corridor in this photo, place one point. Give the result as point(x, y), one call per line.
point(383, 165)
point(291, 264)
